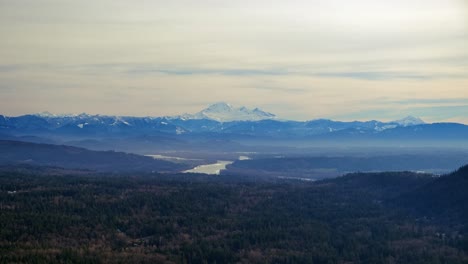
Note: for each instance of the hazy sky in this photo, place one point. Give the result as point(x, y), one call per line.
point(300, 59)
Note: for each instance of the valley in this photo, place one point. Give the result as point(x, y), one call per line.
point(209, 188)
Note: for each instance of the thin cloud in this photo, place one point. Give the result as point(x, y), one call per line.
point(456, 101)
point(281, 89)
point(369, 75)
point(200, 71)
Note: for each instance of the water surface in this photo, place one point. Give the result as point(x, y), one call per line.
point(215, 168)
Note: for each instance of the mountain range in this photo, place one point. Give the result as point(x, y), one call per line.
point(219, 121)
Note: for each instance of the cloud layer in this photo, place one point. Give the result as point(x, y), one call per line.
point(358, 59)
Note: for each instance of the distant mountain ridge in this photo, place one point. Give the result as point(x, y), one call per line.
point(217, 123)
point(219, 113)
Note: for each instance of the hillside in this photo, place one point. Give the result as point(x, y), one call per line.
point(383, 185)
point(15, 152)
point(446, 198)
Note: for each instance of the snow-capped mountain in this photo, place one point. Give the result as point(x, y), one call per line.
point(409, 121)
point(223, 112)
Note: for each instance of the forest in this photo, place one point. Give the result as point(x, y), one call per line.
point(60, 216)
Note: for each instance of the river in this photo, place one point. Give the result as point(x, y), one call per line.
point(210, 168)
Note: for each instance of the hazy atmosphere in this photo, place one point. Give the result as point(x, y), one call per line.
point(234, 131)
point(298, 59)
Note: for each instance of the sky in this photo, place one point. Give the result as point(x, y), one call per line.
point(299, 59)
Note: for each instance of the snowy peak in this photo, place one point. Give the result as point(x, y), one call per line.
point(219, 107)
point(45, 114)
point(224, 112)
point(409, 121)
